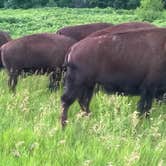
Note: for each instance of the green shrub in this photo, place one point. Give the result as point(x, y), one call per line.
point(118, 4)
point(150, 10)
point(24, 3)
point(51, 3)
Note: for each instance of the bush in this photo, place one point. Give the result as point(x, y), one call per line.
point(150, 10)
point(51, 3)
point(126, 4)
point(132, 4)
point(24, 3)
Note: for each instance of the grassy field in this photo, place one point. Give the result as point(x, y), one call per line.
point(30, 131)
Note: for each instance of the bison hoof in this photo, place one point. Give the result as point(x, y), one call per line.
point(83, 114)
point(144, 115)
point(64, 123)
point(52, 89)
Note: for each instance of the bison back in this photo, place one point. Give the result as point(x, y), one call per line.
point(36, 51)
point(122, 62)
point(81, 31)
point(122, 27)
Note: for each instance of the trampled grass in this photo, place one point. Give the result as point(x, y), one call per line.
point(30, 131)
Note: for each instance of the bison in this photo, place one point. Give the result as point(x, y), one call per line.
point(81, 31)
point(131, 62)
point(122, 27)
point(39, 52)
point(4, 38)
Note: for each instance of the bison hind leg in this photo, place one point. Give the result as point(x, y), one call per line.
point(12, 82)
point(55, 78)
point(72, 91)
point(85, 98)
point(145, 102)
point(69, 96)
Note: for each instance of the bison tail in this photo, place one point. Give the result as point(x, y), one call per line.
point(1, 64)
point(67, 62)
point(2, 57)
point(66, 65)
point(58, 32)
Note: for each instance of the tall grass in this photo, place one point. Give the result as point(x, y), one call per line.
point(30, 131)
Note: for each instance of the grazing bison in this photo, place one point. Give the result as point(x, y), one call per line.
point(122, 27)
point(131, 62)
point(81, 31)
point(4, 38)
point(39, 52)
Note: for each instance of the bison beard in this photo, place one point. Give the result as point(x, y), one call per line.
point(140, 73)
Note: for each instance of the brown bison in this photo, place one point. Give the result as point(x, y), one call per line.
point(131, 62)
point(122, 27)
point(81, 31)
point(4, 38)
point(39, 52)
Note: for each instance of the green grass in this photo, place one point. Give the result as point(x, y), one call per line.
point(30, 131)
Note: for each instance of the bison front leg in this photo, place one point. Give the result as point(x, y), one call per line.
point(55, 78)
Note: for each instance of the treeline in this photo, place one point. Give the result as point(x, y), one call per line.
point(118, 4)
point(125, 4)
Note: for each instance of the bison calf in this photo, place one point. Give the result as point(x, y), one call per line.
point(33, 53)
point(79, 32)
point(131, 62)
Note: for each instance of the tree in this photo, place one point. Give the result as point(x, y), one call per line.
point(150, 10)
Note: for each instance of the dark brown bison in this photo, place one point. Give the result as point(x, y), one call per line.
point(38, 52)
point(79, 32)
point(122, 27)
point(131, 62)
point(4, 38)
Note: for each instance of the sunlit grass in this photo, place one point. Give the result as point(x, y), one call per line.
point(31, 134)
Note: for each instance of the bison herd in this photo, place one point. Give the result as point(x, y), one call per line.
point(128, 59)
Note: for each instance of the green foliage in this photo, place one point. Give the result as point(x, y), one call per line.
point(150, 9)
point(51, 3)
point(30, 131)
point(24, 3)
point(64, 3)
point(126, 4)
point(132, 4)
point(1, 3)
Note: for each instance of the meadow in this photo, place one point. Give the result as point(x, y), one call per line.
point(30, 130)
